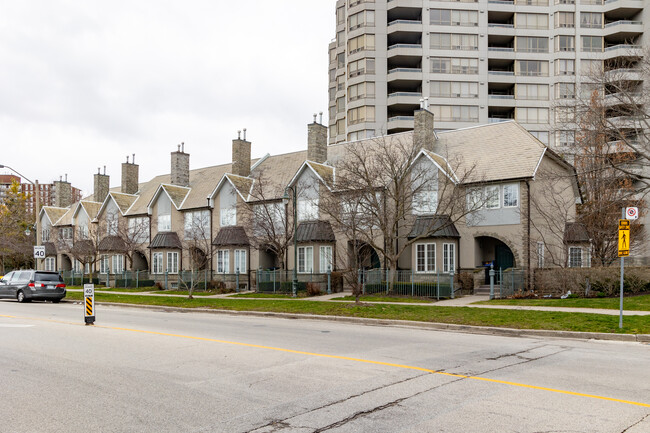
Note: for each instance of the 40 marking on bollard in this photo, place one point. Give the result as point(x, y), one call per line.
point(89, 304)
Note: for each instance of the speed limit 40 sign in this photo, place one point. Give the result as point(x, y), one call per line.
point(631, 213)
point(39, 252)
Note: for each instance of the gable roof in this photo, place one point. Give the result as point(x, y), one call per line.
point(242, 185)
point(494, 152)
point(53, 214)
point(325, 173)
point(176, 194)
point(91, 208)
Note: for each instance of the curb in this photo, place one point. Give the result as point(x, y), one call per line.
point(450, 327)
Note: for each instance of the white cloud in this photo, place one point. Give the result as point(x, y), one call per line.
point(84, 84)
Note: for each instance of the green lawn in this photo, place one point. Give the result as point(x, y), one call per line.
point(268, 295)
point(385, 299)
point(457, 315)
point(636, 303)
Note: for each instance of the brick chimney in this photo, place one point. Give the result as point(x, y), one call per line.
point(241, 155)
point(180, 170)
point(317, 141)
point(102, 185)
point(130, 172)
point(424, 136)
point(62, 192)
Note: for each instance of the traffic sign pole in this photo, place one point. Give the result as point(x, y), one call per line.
point(620, 315)
point(89, 304)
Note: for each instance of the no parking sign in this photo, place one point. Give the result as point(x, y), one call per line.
point(631, 213)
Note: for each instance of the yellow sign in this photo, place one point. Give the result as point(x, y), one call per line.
point(623, 238)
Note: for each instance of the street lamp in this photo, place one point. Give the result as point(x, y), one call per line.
point(37, 204)
point(285, 200)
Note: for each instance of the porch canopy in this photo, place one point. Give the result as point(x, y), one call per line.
point(434, 226)
point(166, 240)
point(231, 236)
point(315, 231)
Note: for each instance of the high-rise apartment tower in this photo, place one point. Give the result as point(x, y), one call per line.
point(477, 61)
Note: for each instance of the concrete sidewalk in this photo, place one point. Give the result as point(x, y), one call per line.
point(464, 301)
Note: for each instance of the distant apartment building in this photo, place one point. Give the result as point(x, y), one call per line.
point(58, 193)
point(477, 62)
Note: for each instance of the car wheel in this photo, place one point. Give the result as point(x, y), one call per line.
point(20, 296)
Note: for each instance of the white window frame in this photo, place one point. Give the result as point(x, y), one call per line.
point(305, 260)
point(425, 202)
point(426, 266)
point(449, 258)
point(540, 254)
point(240, 261)
point(157, 263)
point(223, 261)
point(571, 262)
point(103, 264)
point(50, 264)
point(172, 262)
point(164, 223)
point(117, 264)
point(228, 216)
point(492, 197)
point(325, 259)
point(307, 209)
point(515, 193)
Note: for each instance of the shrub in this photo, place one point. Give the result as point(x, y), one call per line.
point(603, 282)
point(313, 289)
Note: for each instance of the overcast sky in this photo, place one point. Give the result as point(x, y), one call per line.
point(85, 83)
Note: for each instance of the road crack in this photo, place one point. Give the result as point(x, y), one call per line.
point(637, 423)
point(283, 421)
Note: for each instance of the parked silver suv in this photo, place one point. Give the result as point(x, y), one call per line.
point(30, 285)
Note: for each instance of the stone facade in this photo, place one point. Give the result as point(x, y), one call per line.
point(317, 143)
point(62, 193)
point(130, 173)
point(423, 134)
point(180, 168)
point(101, 187)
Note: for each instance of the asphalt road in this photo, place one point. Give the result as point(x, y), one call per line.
point(139, 370)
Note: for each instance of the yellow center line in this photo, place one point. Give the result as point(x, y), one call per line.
point(346, 358)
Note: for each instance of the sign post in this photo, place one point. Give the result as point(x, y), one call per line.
point(39, 252)
point(623, 251)
point(89, 304)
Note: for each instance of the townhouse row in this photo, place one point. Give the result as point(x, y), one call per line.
point(480, 196)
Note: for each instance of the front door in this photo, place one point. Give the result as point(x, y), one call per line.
point(503, 257)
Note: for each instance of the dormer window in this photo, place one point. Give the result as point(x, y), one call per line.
point(164, 213)
point(307, 209)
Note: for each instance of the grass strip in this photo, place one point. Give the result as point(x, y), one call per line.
point(518, 319)
point(268, 295)
point(634, 303)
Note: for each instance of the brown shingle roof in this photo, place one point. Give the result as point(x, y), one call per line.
point(167, 240)
point(435, 226)
point(243, 185)
point(50, 249)
point(177, 194)
point(575, 233)
point(112, 244)
point(231, 235)
point(315, 231)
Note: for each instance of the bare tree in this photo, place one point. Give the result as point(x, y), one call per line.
point(270, 220)
point(198, 244)
point(392, 185)
point(613, 106)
